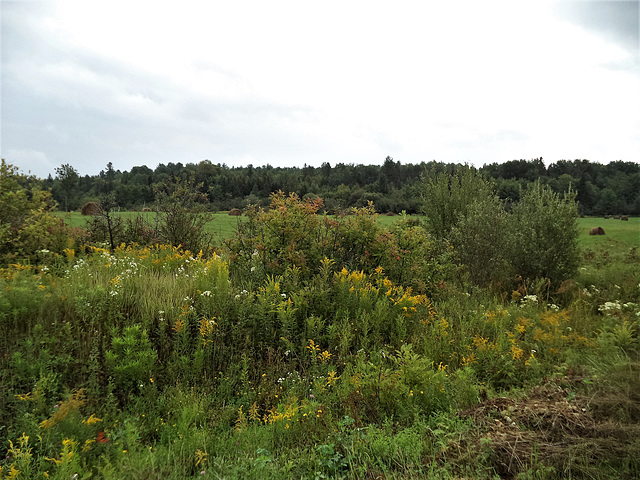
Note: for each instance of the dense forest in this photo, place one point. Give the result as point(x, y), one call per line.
point(392, 187)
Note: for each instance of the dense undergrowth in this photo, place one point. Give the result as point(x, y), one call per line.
point(315, 347)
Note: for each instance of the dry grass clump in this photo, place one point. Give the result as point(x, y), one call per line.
point(555, 427)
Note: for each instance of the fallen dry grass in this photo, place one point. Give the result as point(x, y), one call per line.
point(555, 427)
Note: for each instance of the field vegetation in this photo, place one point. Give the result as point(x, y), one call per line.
point(475, 341)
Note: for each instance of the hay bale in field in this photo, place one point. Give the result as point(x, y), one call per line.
point(146, 209)
point(91, 208)
point(235, 212)
point(390, 214)
point(607, 217)
point(596, 231)
point(624, 218)
point(616, 217)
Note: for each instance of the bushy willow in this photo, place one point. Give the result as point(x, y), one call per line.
point(447, 197)
point(535, 240)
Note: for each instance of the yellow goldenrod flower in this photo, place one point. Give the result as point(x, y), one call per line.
point(92, 419)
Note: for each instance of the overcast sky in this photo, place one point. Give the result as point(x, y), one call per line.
point(292, 82)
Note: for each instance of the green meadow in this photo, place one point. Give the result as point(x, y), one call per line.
point(619, 234)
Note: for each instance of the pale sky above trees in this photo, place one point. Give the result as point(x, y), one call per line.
point(292, 82)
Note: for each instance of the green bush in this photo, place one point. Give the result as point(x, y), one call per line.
point(28, 229)
point(545, 235)
point(482, 243)
point(183, 214)
point(537, 240)
point(447, 197)
point(293, 240)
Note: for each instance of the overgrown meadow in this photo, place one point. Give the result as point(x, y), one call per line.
point(314, 346)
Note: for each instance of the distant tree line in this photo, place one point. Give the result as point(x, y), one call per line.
point(392, 187)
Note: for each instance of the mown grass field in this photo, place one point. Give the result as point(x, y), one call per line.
point(618, 233)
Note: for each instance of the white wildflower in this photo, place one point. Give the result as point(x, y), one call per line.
point(608, 307)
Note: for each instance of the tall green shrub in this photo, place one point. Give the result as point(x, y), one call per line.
point(292, 239)
point(447, 197)
point(183, 214)
point(482, 242)
point(536, 240)
point(27, 224)
point(545, 230)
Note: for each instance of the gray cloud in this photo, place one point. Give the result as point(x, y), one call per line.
point(618, 21)
point(88, 110)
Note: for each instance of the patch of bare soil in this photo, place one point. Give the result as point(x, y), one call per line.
point(556, 428)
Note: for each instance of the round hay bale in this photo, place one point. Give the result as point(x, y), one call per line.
point(235, 212)
point(616, 217)
point(624, 218)
point(390, 214)
point(91, 208)
point(607, 217)
point(596, 231)
point(146, 209)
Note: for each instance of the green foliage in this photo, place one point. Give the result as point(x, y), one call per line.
point(545, 230)
point(67, 178)
point(27, 226)
point(293, 240)
point(105, 226)
point(447, 197)
point(182, 214)
point(283, 237)
point(131, 359)
point(392, 187)
point(538, 239)
point(360, 357)
point(482, 242)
